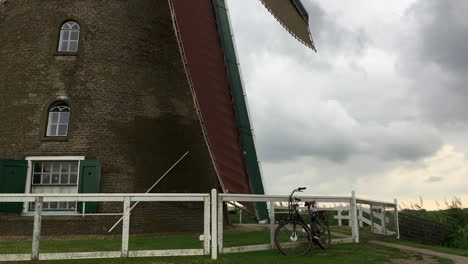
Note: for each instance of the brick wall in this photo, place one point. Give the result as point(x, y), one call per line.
point(131, 105)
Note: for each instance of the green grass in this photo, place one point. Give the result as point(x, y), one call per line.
point(109, 244)
point(344, 253)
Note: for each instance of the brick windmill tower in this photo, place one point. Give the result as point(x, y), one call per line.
point(105, 96)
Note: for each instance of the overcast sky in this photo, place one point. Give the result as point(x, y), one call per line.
point(381, 108)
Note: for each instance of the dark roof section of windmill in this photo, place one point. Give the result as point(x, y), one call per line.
point(293, 17)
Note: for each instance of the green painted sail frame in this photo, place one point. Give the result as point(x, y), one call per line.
point(240, 104)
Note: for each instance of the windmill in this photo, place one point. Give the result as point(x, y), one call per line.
point(105, 98)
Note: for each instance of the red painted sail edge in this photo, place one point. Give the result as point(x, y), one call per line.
point(200, 39)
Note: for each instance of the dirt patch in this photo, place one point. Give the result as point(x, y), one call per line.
point(422, 260)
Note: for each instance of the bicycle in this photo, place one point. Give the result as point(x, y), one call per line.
point(294, 237)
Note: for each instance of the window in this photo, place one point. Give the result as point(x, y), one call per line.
point(59, 118)
point(55, 176)
point(69, 37)
point(55, 173)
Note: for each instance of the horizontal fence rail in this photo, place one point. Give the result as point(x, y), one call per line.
point(213, 219)
point(126, 199)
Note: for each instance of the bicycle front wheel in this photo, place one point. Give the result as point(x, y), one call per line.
point(322, 234)
point(293, 238)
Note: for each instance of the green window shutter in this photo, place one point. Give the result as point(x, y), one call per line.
point(12, 180)
point(90, 175)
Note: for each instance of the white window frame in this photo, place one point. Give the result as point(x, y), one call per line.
point(29, 175)
point(69, 40)
point(49, 132)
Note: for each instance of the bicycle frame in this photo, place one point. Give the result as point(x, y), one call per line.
point(296, 216)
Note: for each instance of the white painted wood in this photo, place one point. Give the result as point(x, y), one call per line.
point(125, 227)
point(206, 226)
point(279, 198)
point(80, 255)
point(397, 224)
point(360, 218)
point(37, 228)
point(220, 225)
point(339, 218)
point(384, 221)
point(272, 224)
point(214, 224)
point(247, 248)
point(102, 197)
point(374, 202)
point(240, 216)
point(59, 158)
point(371, 212)
point(15, 257)
point(166, 253)
point(353, 218)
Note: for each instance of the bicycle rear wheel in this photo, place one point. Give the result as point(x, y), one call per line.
point(293, 238)
point(322, 234)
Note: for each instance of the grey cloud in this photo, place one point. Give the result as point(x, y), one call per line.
point(433, 179)
point(435, 57)
point(267, 37)
point(443, 32)
point(332, 134)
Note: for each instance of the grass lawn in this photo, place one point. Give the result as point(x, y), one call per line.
point(365, 235)
point(343, 253)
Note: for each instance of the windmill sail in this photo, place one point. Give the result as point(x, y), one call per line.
point(293, 17)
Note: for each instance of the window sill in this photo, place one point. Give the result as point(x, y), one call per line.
point(60, 54)
point(65, 139)
point(68, 185)
point(57, 213)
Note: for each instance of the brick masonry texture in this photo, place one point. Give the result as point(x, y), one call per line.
point(131, 105)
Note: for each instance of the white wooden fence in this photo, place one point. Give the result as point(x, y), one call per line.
point(213, 227)
point(126, 199)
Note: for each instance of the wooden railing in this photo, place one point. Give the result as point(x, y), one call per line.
point(421, 230)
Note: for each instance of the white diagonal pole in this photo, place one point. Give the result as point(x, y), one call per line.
point(151, 188)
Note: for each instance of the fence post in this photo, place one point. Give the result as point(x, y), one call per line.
point(372, 217)
point(339, 217)
point(206, 225)
point(240, 216)
point(397, 225)
point(37, 228)
point(220, 224)
point(353, 218)
point(125, 226)
point(361, 224)
point(384, 221)
point(214, 223)
point(272, 224)
point(350, 215)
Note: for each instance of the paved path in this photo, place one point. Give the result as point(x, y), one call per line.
point(455, 258)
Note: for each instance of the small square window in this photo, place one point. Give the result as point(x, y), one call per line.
point(64, 179)
point(45, 179)
point(73, 179)
point(55, 178)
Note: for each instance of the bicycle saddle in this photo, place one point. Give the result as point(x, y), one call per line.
point(309, 204)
